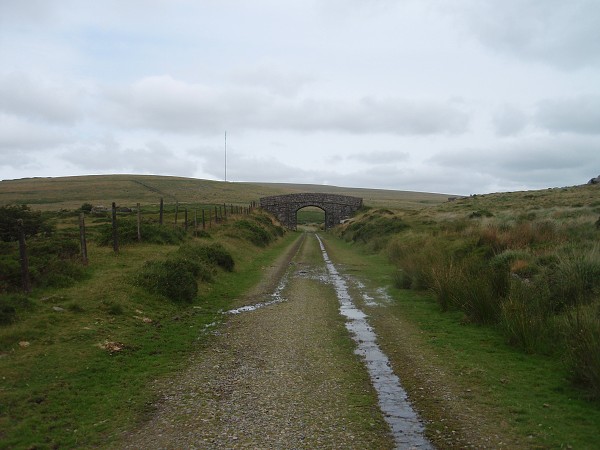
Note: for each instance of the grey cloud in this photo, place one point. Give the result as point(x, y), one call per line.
point(18, 134)
point(39, 99)
point(271, 79)
point(379, 157)
point(172, 105)
point(509, 120)
point(109, 155)
point(576, 115)
point(561, 33)
point(531, 162)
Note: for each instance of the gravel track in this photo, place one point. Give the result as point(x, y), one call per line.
point(283, 376)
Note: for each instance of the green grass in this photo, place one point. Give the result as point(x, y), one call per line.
point(530, 394)
point(62, 389)
point(127, 190)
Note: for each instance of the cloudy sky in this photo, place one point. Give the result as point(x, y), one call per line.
point(451, 96)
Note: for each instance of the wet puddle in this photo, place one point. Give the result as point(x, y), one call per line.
point(406, 427)
point(276, 297)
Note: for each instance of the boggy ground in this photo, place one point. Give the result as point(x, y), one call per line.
point(283, 376)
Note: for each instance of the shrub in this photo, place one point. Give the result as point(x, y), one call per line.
point(33, 222)
point(253, 232)
point(173, 279)
point(373, 226)
point(583, 347)
point(152, 233)
point(524, 316)
point(213, 254)
point(11, 306)
point(575, 279)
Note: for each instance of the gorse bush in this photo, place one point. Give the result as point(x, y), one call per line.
point(151, 233)
point(257, 229)
point(54, 261)
point(173, 279)
point(177, 278)
point(33, 222)
point(378, 224)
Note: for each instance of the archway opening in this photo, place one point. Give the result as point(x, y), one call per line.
point(310, 218)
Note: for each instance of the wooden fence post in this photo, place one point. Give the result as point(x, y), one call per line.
point(139, 222)
point(160, 217)
point(186, 219)
point(114, 228)
point(176, 212)
point(195, 221)
point(26, 283)
point(82, 239)
point(203, 220)
point(216, 216)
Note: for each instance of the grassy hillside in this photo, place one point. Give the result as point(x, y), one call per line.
point(127, 190)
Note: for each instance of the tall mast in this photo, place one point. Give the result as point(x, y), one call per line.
point(225, 155)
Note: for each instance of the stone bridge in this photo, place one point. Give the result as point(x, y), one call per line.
point(336, 207)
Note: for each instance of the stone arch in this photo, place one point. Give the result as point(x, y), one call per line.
point(336, 207)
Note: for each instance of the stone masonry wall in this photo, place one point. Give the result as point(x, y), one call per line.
point(336, 207)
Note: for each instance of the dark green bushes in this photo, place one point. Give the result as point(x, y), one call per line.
point(378, 224)
point(54, 261)
point(151, 232)
point(257, 229)
point(177, 277)
point(174, 279)
point(33, 222)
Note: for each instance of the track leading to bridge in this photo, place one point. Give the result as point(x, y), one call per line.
point(283, 374)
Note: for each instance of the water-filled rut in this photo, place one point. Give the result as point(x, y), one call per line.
point(407, 429)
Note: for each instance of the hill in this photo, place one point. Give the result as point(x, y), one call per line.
point(127, 190)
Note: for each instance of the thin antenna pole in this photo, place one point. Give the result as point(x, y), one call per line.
point(225, 155)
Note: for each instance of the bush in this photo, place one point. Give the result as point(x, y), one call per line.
point(583, 347)
point(33, 222)
point(253, 232)
point(525, 315)
point(152, 233)
point(173, 279)
point(374, 226)
point(213, 254)
point(11, 306)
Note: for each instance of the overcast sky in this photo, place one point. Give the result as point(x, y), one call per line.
point(451, 96)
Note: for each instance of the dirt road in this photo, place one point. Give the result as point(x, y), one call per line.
point(281, 376)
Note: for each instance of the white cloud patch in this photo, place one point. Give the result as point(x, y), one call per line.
point(40, 98)
point(575, 115)
point(509, 120)
point(165, 103)
point(109, 156)
point(561, 33)
point(379, 157)
point(17, 134)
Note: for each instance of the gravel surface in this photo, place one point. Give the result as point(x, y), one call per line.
point(283, 376)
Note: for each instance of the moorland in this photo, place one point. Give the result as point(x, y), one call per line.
point(501, 292)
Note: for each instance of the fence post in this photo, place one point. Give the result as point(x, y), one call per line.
point(114, 228)
point(176, 212)
point(195, 221)
point(139, 222)
point(160, 217)
point(84, 256)
point(224, 210)
point(24, 261)
point(203, 221)
point(216, 215)
point(186, 219)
